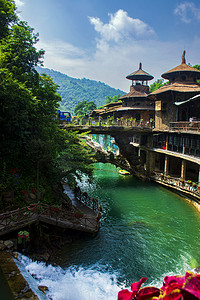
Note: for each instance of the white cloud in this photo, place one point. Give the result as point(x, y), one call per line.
point(19, 3)
point(62, 56)
point(187, 11)
point(120, 28)
point(119, 51)
point(112, 67)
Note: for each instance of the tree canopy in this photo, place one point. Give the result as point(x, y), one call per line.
point(84, 107)
point(112, 99)
point(75, 90)
point(197, 67)
point(30, 138)
point(156, 85)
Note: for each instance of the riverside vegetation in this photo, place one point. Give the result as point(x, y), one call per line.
point(34, 154)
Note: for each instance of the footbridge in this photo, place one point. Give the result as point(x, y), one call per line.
point(84, 217)
point(112, 130)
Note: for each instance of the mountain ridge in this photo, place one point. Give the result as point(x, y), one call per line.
point(75, 90)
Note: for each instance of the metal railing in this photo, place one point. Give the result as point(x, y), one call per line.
point(185, 185)
point(87, 200)
point(33, 212)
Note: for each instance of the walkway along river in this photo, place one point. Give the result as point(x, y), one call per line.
point(146, 230)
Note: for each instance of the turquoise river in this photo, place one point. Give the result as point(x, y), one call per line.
point(146, 230)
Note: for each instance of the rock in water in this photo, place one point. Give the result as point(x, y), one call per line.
point(43, 288)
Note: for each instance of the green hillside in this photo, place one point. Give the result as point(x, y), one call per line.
point(73, 90)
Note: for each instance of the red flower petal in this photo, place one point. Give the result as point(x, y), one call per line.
point(168, 280)
point(175, 295)
point(136, 286)
point(124, 295)
point(148, 292)
point(192, 285)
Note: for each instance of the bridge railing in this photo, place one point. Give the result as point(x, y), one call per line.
point(18, 215)
point(185, 185)
point(32, 212)
point(75, 218)
point(87, 200)
point(119, 122)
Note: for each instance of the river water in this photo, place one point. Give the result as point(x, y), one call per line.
point(146, 230)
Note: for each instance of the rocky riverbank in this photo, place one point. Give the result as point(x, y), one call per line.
point(17, 284)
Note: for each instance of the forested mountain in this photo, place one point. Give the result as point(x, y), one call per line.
point(73, 90)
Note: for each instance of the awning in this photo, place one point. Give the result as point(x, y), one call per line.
point(193, 98)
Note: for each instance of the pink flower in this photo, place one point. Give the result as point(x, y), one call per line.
point(174, 288)
point(126, 295)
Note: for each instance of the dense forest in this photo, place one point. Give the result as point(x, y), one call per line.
point(35, 154)
point(73, 90)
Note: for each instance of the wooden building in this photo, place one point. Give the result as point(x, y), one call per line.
point(172, 151)
point(135, 104)
point(176, 101)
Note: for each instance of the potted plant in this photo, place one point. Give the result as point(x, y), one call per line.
point(182, 181)
point(78, 214)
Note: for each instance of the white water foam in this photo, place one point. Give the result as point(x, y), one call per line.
point(71, 283)
point(90, 283)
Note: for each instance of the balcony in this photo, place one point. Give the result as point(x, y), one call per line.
point(185, 126)
point(186, 186)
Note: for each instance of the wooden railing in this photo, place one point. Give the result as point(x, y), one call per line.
point(39, 211)
point(17, 216)
point(58, 214)
point(185, 185)
point(187, 126)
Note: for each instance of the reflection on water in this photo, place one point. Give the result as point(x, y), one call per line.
point(146, 230)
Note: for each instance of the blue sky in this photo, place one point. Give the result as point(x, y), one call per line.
point(105, 40)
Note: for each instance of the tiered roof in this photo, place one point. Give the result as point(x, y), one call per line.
point(182, 68)
point(140, 75)
point(181, 79)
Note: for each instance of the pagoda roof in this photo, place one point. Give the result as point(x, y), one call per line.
point(140, 75)
point(111, 109)
point(134, 94)
point(183, 67)
point(135, 108)
point(177, 87)
point(111, 104)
